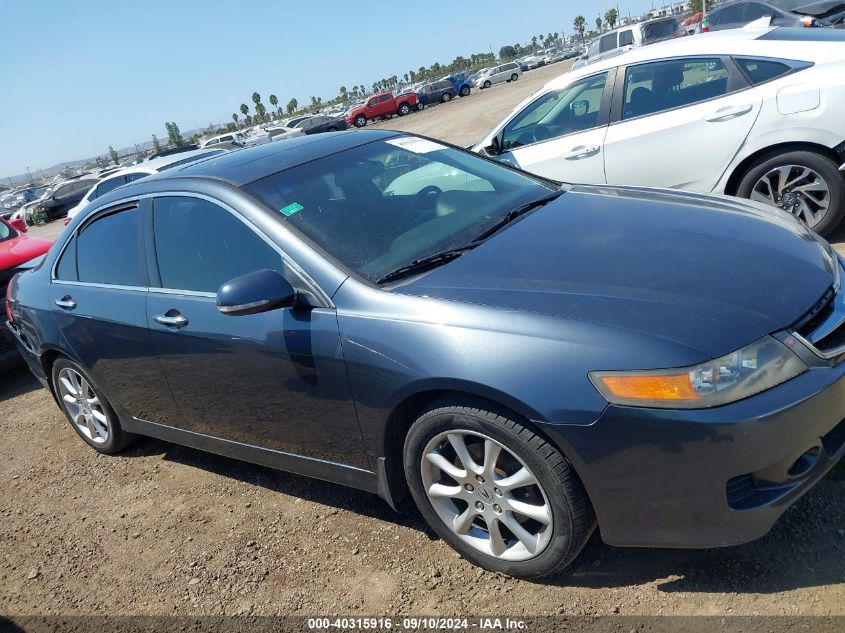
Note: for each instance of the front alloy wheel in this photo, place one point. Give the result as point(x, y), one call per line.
point(499, 494)
point(486, 495)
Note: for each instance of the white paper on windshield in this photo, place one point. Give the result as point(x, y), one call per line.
point(416, 145)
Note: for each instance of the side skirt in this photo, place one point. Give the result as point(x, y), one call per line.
point(288, 462)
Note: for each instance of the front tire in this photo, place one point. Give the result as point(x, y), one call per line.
point(496, 492)
point(360, 120)
point(87, 410)
point(807, 184)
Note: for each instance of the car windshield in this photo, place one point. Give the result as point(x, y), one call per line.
point(7, 232)
point(386, 204)
point(660, 30)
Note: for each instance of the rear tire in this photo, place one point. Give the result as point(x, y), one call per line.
point(464, 91)
point(446, 97)
point(486, 84)
point(360, 120)
point(332, 129)
point(509, 482)
point(87, 410)
point(420, 106)
point(514, 77)
point(403, 109)
point(763, 178)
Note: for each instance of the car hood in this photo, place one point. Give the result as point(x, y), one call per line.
point(710, 273)
point(21, 249)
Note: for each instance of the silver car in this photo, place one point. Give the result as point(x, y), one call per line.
point(505, 72)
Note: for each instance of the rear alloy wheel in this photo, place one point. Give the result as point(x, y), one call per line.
point(88, 412)
point(446, 97)
point(807, 184)
point(497, 493)
point(486, 84)
point(514, 77)
point(464, 91)
point(360, 120)
point(404, 109)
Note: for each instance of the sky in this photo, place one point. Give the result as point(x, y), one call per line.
point(76, 77)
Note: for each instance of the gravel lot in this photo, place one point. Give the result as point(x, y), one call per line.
point(169, 530)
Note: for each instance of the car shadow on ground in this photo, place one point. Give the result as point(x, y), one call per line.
point(804, 549)
point(306, 488)
point(16, 381)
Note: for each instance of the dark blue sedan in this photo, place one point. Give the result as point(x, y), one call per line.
point(524, 360)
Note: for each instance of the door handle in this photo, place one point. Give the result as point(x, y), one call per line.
point(66, 303)
point(725, 114)
point(582, 151)
point(171, 319)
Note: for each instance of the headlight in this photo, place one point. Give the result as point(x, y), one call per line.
point(752, 369)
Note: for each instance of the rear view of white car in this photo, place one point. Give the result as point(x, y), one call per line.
point(756, 114)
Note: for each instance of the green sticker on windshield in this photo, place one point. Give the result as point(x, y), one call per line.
point(291, 209)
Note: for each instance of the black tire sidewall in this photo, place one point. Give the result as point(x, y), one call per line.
point(514, 77)
point(819, 163)
point(561, 549)
point(404, 109)
point(116, 435)
point(358, 120)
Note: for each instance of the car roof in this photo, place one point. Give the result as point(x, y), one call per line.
point(254, 163)
point(777, 42)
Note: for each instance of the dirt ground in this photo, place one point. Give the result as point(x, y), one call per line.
point(169, 530)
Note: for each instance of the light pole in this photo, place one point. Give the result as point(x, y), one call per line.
point(31, 181)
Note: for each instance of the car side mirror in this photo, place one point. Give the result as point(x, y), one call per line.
point(19, 225)
point(258, 291)
point(494, 149)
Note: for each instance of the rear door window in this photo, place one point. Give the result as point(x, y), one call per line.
point(108, 250)
point(626, 38)
point(607, 42)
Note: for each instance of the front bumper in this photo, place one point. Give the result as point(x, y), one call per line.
point(709, 477)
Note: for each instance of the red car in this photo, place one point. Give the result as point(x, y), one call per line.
point(15, 249)
point(382, 105)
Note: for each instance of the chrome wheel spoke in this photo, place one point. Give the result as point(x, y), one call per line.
point(538, 513)
point(458, 443)
point(463, 521)
point(440, 491)
point(69, 399)
point(492, 450)
point(82, 406)
point(68, 385)
point(766, 198)
point(446, 466)
point(520, 478)
point(525, 537)
point(497, 543)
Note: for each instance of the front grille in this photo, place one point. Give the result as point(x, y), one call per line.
point(823, 326)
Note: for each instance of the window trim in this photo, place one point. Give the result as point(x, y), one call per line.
point(152, 258)
point(123, 205)
point(602, 121)
point(734, 76)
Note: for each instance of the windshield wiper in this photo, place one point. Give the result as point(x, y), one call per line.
point(425, 263)
point(438, 259)
point(521, 210)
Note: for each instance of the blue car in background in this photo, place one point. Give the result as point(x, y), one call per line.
point(522, 360)
point(462, 82)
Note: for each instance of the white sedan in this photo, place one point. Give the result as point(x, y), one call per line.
point(756, 112)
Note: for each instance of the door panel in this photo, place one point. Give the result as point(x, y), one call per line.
point(561, 133)
point(276, 380)
point(680, 128)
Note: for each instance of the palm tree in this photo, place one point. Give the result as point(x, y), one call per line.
point(292, 105)
point(244, 109)
point(580, 24)
point(274, 101)
point(235, 119)
point(610, 17)
point(534, 41)
point(598, 24)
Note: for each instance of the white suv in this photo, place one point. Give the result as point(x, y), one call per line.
point(625, 38)
point(751, 113)
point(506, 72)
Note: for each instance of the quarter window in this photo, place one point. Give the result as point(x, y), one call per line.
point(572, 109)
point(109, 252)
point(762, 70)
point(200, 246)
point(607, 42)
point(660, 86)
point(732, 14)
point(109, 185)
point(626, 38)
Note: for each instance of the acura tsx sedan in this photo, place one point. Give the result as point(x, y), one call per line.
point(524, 360)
